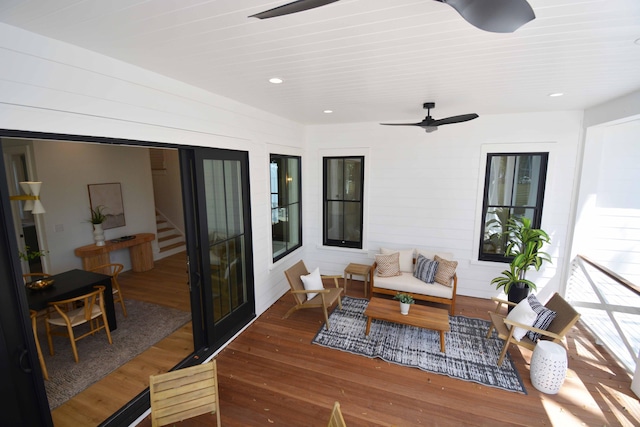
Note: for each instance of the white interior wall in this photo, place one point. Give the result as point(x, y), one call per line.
point(66, 168)
point(425, 190)
point(49, 86)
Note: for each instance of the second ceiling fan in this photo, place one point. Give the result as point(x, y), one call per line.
point(496, 16)
point(429, 124)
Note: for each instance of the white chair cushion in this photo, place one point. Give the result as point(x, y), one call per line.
point(312, 282)
point(522, 313)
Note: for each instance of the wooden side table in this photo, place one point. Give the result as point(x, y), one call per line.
point(359, 270)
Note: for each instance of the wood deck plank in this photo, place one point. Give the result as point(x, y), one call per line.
point(272, 375)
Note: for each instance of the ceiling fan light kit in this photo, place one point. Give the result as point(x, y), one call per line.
point(496, 16)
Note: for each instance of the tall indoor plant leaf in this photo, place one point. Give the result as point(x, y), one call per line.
point(525, 244)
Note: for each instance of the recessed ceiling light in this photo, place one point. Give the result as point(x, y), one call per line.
point(556, 94)
point(328, 111)
point(276, 80)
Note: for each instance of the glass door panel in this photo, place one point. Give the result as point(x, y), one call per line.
point(224, 293)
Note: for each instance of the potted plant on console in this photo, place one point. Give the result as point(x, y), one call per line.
point(524, 244)
point(97, 218)
point(405, 302)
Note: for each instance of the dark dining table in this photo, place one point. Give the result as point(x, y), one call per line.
point(71, 284)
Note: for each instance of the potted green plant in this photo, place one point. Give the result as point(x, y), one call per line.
point(97, 215)
point(97, 218)
point(524, 246)
point(405, 302)
point(29, 255)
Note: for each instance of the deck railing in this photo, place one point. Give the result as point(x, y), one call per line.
point(609, 306)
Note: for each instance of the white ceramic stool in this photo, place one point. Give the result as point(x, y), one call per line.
point(548, 367)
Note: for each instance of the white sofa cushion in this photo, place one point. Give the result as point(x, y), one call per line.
point(432, 254)
point(409, 284)
point(406, 258)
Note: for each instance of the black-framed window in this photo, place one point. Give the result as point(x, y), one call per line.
point(343, 191)
point(286, 204)
point(513, 186)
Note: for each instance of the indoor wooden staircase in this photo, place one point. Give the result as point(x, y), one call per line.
point(170, 240)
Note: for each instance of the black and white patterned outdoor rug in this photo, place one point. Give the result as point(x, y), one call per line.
point(469, 355)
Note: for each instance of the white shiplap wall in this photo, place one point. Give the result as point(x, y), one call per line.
point(425, 190)
point(49, 86)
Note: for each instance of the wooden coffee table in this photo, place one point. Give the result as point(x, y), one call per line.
point(421, 316)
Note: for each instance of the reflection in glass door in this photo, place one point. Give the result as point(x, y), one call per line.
point(225, 223)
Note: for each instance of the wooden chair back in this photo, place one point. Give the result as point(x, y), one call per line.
point(185, 393)
point(72, 312)
point(336, 419)
point(566, 316)
point(113, 270)
point(295, 282)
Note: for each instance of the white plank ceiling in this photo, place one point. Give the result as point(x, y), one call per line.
point(367, 60)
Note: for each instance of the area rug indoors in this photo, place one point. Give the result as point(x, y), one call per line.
point(469, 355)
point(145, 325)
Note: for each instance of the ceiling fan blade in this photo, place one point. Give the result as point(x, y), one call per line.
point(296, 6)
point(454, 119)
point(496, 16)
point(402, 124)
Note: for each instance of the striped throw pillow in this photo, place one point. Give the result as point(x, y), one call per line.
point(425, 269)
point(388, 265)
point(543, 320)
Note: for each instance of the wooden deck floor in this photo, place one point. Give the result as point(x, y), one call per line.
point(272, 375)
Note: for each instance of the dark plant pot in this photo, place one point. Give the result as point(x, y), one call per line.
point(517, 293)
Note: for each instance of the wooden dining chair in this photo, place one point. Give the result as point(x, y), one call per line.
point(66, 317)
point(184, 393)
point(34, 325)
point(113, 270)
point(336, 419)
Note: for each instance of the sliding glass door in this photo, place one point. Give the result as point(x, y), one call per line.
point(220, 261)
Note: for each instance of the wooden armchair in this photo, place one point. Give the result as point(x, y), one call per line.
point(566, 317)
point(325, 298)
point(184, 393)
point(336, 419)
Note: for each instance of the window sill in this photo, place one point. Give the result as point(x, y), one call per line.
point(341, 249)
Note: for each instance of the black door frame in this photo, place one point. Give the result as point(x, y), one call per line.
point(212, 335)
point(22, 392)
point(17, 345)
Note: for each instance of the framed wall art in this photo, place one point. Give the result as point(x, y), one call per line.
point(109, 196)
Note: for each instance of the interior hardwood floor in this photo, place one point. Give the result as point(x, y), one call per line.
point(165, 285)
point(272, 375)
